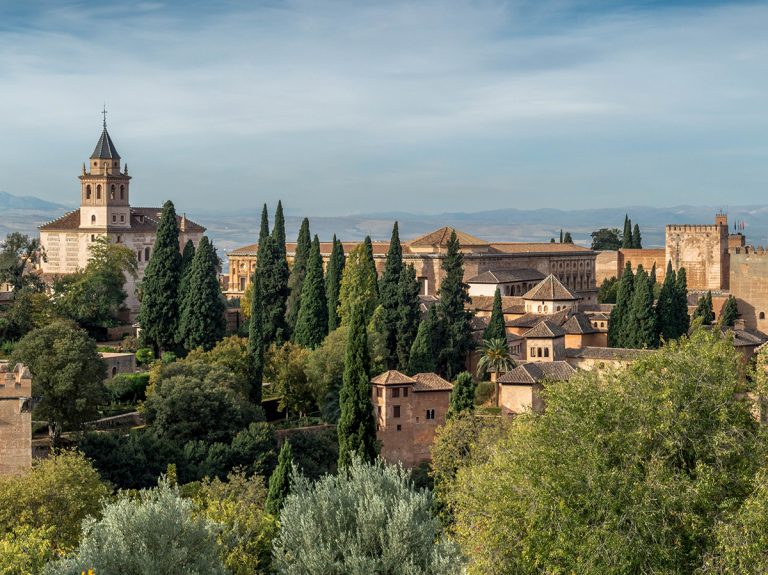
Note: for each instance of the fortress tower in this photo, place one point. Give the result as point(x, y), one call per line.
point(15, 419)
point(703, 251)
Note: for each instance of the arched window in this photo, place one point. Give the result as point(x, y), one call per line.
point(546, 308)
point(762, 315)
point(88, 192)
point(114, 371)
point(122, 192)
point(546, 352)
point(146, 254)
point(98, 192)
point(138, 255)
point(93, 220)
point(533, 352)
point(539, 308)
point(112, 192)
point(538, 351)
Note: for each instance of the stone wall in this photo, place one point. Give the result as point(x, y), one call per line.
point(15, 419)
point(749, 285)
point(703, 252)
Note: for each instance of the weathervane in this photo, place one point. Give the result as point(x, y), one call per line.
point(104, 113)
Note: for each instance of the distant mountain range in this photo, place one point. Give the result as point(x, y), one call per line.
point(232, 230)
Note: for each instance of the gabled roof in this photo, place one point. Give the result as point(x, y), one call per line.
point(535, 372)
point(105, 149)
point(142, 220)
point(549, 289)
point(506, 276)
point(532, 319)
point(440, 238)
point(545, 329)
point(509, 304)
point(578, 323)
point(615, 353)
point(392, 377)
point(431, 382)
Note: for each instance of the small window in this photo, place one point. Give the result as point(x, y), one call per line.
point(98, 192)
point(533, 352)
point(378, 392)
point(112, 192)
point(114, 218)
point(405, 392)
point(114, 371)
point(430, 414)
point(122, 192)
point(93, 237)
point(93, 220)
point(88, 192)
point(396, 411)
point(396, 392)
point(138, 255)
point(546, 352)
point(378, 410)
point(122, 218)
point(762, 315)
point(146, 254)
point(119, 238)
point(399, 427)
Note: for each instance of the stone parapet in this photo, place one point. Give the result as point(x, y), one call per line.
point(15, 419)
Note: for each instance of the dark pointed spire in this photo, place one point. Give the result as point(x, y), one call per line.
point(105, 149)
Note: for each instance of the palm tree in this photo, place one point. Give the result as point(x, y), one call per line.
point(495, 356)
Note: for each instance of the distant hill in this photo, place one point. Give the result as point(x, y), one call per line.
point(25, 213)
point(11, 202)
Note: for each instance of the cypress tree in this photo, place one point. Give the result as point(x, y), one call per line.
point(255, 341)
point(454, 295)
point(263, 229)
point(278, 232)
point(561, 235)
point(626, 239)
point(729, 312)
point(704, 309)
point(202, 322)
point(495, 328)
point(637, 240)
point(652, 277)
point(682, 319)
point(567, 239)
point(186, 265)
point(371, 263)
point(333, 276)
point(642, 331)
point(298, 271)
point(356, 427)
point(273, 273)
point(462, 394)
point(422, 357)
point(312, 323)
point(666, 318)
point(408, 314)
point(388, 295)
point(358, 286)
point(620, 312)
point(280, 481)
point(159, 312)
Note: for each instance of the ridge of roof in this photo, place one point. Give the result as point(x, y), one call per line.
point(431, 382)
point(545, 328)
point(105, 148)
point(549, 289)
point(392, 377)
point(441, 236)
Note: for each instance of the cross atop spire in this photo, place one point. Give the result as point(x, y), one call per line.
point(104, 113)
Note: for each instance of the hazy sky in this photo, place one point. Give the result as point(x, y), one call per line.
point(355, 106)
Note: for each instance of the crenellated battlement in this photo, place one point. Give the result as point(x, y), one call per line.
point(749, 251)
point(15, 383)
point(694, 228)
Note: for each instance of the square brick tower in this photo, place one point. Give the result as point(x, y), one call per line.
point(15, 419)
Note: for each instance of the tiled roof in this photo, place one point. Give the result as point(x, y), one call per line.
point(536, 247)
point(531, 319)
point(392, 377)
point(69, 221)
point(142, 220)
point(479, 323)
point(440, 238)
point(509, 304)
point(431, 382)
point(379, 248)
point(598, 315)
point(578, 323)
point(535, 372)
point(549, 289)
point(617, 353)
point(105, 149)
point(507, 276)
point(596, 307)
point(545, 329)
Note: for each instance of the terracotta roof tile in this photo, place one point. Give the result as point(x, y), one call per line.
point(142, 220)
point(616, 353)
point(537, 247)
point(536, 372)
point(578, 323)
point(431, 382)
point(545, 329)
point(440, 238)
point(392, 377)
point(509, 304)
point(550, 289)
point(507, 276)
point(531, 319)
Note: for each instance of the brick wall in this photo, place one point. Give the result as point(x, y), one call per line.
point(15, 419)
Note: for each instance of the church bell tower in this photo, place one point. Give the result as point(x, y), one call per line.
point(104, 204)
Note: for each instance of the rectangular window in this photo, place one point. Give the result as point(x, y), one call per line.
point(242, 284)
point(430, 414)
point(396, 392)
point(122, 218)
point(399, 427)
point(114, 218)
point(378, 410)
point(378, 392)
point(138, 255)
point(396, 411)
point(405, 392)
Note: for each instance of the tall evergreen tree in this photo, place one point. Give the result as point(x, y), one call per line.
point(159, 313)
point(186, 265)
point(666, 319)
point(280, 481)
point(626, 238)
point(567, 239)
point(333, 274)
point(561, 235)
point(358, 286)
point(462, 394)
point(683, 320)
point(454, 295)
point(357, 427)
point(370, 262)
point(312, 323)
point(273, 273)
point(388, 296)
point(298, 271)
point(423, 354)
point(202, 322)
point(263, 229)
point(408, 315)
point(637, 240)
point(620, 311)
point(652, 277)
point(704, 309)
point(642, 331)
point(729, 313)
point(255, 341)
point(278, 232)
point(495, 328)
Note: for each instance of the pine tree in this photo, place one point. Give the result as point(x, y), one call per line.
point(159, 313)
point(357, 427)
point(567, 239)
point(495, 328)
point(666, 319)
point(652, 277)
point(454, 295)
point(298, 271)
point(186, 265)
point(278, 232)
point(729, 313)
point(388, 295)
point(273, 271)
point(333, 276)
point(371, 263)
point(423, 354)
point(202, 322)
point(642, 331)
point(704, 309)
point(358, 286)
point(682, 319)
point(561, 235)
point(626, 239)
point(255, 341)
point(280, 481)
point(312, 323)
point(263, 229)
point(637, 240)
point(408, 315)
point(462, 394)
point(620, 312)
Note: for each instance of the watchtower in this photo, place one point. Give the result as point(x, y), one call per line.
point(15, 419)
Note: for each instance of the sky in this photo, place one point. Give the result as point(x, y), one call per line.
point(341, 107)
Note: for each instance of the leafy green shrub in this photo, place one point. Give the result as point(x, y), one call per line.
point(315, 452)
point(128, 387)
point(144, 356)
point(483, 392)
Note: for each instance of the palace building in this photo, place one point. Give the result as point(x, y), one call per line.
point(105, 212)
